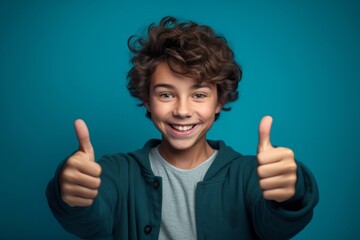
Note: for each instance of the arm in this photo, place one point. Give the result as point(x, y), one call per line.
point(274, 220)
point(283, 192)
point(75, 196)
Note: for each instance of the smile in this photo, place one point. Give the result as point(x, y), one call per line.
point(182, 128)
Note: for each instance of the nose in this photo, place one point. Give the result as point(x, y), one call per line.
point(183, 109)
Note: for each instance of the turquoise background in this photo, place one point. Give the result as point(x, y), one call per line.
point(62, 60)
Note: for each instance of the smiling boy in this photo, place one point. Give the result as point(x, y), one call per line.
point(183, 111)
point(183, 186)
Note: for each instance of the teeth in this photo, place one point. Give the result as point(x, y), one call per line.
point(182, 128)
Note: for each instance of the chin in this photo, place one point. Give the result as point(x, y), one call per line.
point(181, 147)
point(180, 144)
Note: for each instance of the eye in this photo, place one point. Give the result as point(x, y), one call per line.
point(199, 95)
point(166, 95)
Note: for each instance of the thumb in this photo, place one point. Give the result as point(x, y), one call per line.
point(83, 137)
point(264, 134)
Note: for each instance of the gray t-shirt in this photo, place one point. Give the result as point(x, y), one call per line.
point(179, 186)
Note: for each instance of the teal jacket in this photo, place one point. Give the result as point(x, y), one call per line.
point(229, 202)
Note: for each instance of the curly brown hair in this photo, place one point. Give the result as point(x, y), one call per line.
point(189, 49)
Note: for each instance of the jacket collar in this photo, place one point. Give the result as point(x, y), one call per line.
point(224, 156)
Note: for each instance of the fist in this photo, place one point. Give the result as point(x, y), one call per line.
point(80, 175)
point(276, 166)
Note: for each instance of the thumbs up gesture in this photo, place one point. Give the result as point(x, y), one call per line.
point(80, 175)
point(277, 166)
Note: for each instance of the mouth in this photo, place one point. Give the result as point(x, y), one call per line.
point(183, 128)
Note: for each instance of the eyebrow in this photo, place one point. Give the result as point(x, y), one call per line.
point(169, 86)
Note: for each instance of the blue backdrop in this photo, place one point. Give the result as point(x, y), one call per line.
point(62, 60)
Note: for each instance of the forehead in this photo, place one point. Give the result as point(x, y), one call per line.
point(163, 75)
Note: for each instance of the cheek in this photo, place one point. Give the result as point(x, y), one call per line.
point(208, 112)
point(159, 110)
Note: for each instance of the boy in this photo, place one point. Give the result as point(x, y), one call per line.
point(183, 186)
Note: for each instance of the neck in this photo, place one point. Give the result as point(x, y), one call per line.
point(187, 158)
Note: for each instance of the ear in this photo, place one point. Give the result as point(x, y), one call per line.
point(147, 105)
point(219, 107)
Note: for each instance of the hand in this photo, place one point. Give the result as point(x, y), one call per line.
point(277, 166)
point(80, 176)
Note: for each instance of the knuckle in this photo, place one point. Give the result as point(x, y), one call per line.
point(260, 157)
point(98, 182)
point(292, 179)
point(267, 195)
point(65, 188)
point(292, 167)
point(76, 160)
point(89, 202)
point(262, 183)
point(72, 160)
point(66, 199)
point(66, 175)
point(259, 172)
point(97, 170)
point(94, 193)
point(291, 192)
point(69, 176)
point(77, 163)
point(100, 170)
point(290, 153)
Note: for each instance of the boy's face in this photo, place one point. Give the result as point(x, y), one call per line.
point(181, 109)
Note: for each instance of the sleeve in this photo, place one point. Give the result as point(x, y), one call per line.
point(87, 222)
point(272, 220)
